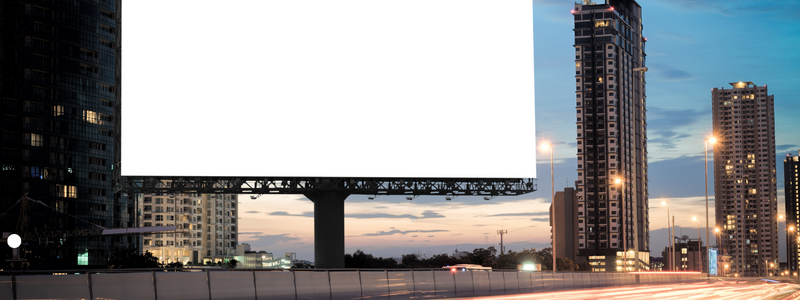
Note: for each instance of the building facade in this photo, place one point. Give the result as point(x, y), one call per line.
point(611, 135)
point(565, 212)
point(59, 123)
point(745, 179)
point(690, 255)
point(791, 190)
point(206, 227)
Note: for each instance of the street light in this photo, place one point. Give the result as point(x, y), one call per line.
point(548, 146)
point(699, 248)
point(705, 153)
point(671, 241)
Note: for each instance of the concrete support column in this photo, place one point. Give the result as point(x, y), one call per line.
point(328, 229)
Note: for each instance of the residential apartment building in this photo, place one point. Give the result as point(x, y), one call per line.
point(565, 212)
point(745, 177)
point(206, 225)
point(611, 135)
point(791, 190)
point(60, 106)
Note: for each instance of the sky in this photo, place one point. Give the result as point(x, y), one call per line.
point(692, 47)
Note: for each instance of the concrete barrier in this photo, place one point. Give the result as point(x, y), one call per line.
point(310, 284)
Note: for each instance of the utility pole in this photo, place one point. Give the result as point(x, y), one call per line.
point(501, 233)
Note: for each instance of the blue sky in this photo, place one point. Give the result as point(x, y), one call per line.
point(693, 46)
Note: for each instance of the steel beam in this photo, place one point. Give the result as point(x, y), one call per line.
point(306, 185)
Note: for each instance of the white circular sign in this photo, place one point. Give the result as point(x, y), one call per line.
point(14, 240)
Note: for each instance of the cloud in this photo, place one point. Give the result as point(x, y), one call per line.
point(786, 147)
point(538, 213)
point(254, 232)
point(252, 212)
point(308, 214)
point(431, 214)
point(430, 236)
point(733, 8)
point(541, 219)
point(402, 232)
point(414, 236)
point(261, 241)
point(679, 177)
point(669, 73)
point(678, 37)
point(428, 214)
point(668, 119)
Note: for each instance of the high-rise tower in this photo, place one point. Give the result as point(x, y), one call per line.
point(791, 194)
point(744, 176)
point(59, 94)
point(612, 135)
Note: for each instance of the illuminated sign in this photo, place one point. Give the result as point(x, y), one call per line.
point(712, 261)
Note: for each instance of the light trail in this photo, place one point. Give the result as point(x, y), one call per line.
point(733, 290)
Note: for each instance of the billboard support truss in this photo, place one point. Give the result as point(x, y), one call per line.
point(350, 185)
point(328, 195)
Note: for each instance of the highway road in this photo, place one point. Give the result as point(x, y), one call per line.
point(718, 289)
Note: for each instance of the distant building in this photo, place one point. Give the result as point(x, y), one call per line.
point(744, 176)
point(611, 134)
point(566, 220)
point(657, 264)
point(261, 259)
point(208, 225)
point(690, 255)
point(791, 190)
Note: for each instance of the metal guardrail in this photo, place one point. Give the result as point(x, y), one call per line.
point(331, 284)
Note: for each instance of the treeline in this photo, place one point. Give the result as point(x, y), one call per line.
point(485, 257)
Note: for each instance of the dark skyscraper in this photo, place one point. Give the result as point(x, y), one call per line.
point(60, 86)
point(744, 176)
point(791, 190)
point(612, 135)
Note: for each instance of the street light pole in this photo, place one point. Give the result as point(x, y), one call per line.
point(699, 247)
point(669, 236)
point(673, 243)
point(705, 153)
point(553, 203)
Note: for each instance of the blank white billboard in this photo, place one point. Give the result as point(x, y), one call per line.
point(339, 88)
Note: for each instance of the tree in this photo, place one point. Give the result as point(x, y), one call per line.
point(359, 259)
point(411, 261)
point(564, 264)
point(175, 265)
point(513, 259)
point(231, 263)
point(130, 258)
point(483, 257)
point(302, 265)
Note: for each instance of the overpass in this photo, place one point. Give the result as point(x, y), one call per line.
point(328, 195)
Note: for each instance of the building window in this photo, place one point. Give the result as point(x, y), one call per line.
point(66, 191)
